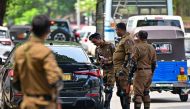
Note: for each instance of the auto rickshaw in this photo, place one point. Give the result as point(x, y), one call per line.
point(171, 73)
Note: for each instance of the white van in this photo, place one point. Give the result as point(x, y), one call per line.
point(154, 20)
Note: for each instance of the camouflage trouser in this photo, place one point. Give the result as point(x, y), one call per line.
point(109, 77)
point(141, 85)
point(121, 80)
point(37, 103)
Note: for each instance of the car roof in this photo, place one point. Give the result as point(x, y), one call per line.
point(154, 16)
point(61, 43)
point(20, 28)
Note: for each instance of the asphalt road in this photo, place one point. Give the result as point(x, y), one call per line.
point(164, 100)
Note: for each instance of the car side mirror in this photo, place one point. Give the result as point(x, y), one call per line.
point(1, 61)
point(93, 60)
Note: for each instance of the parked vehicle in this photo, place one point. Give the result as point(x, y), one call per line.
point(154, 20)
point(61, 30)
point(6, 45)
point(85, 42)
point(83, 84)
point(19, 32)
point(83, 87)
point(10, 98)
point(171, 73)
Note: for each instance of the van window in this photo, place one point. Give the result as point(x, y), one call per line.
point(130, 23)
point(3, 34)
point(158, 23)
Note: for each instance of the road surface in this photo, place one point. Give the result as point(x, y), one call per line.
point(164, 100)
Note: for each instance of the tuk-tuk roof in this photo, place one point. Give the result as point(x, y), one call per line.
point(161, 32)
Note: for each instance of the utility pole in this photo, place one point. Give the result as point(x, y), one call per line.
point(170, 7)
point(78, 14)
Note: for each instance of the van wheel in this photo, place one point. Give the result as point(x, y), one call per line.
point(183, 98)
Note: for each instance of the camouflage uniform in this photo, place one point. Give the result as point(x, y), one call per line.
point(145, 56)
point(104, 52)
point(37, 71)
point(120, 56)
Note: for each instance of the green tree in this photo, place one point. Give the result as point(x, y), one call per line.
point(181, 7)
point(88, 7)
point(22, 11)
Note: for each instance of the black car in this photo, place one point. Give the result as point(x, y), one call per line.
point(10, 98)
point(83, 87)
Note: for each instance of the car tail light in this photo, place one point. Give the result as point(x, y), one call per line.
point(92, 94)
point(11, 73)
point(94, 72)
point(182, 71)
point(5, 42)
point(18, 94)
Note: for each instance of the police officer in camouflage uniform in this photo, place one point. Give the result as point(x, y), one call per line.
point(145, 56)
point(121, 56)
point(104, 54)
point(36, 72)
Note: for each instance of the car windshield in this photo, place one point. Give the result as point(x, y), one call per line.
point(158, 23)
point(68, 54)
point(3, 34)
point(59, 24)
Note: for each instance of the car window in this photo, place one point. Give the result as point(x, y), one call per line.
point(69, 54)
point(59, 24)
point(158, 23)
point(3, 34)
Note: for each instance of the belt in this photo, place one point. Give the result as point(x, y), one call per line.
point(46, 97)
point(143, 68)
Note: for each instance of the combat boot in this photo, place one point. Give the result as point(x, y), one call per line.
point(146, 105)
point(137, 105)
point(125, 102)
point(108, 95)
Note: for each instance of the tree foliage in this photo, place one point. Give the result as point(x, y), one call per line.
point(87, 6)
point(181, 7)
point(22, 11)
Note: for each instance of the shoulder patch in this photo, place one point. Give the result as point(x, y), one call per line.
point(129, 42)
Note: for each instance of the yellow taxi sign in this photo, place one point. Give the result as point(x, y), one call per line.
point(182, 78)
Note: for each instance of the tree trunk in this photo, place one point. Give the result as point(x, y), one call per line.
point(3, 4)
point(100, 17)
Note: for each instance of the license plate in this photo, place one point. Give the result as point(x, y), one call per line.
point(67, 76)
point(182, 78)
point(189, 71)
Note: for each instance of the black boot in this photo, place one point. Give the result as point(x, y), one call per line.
point(137, 105)
point(125, 102)
point(108, 97)
point(146, 105)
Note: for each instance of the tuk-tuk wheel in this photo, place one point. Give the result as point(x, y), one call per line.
point(183, 98)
